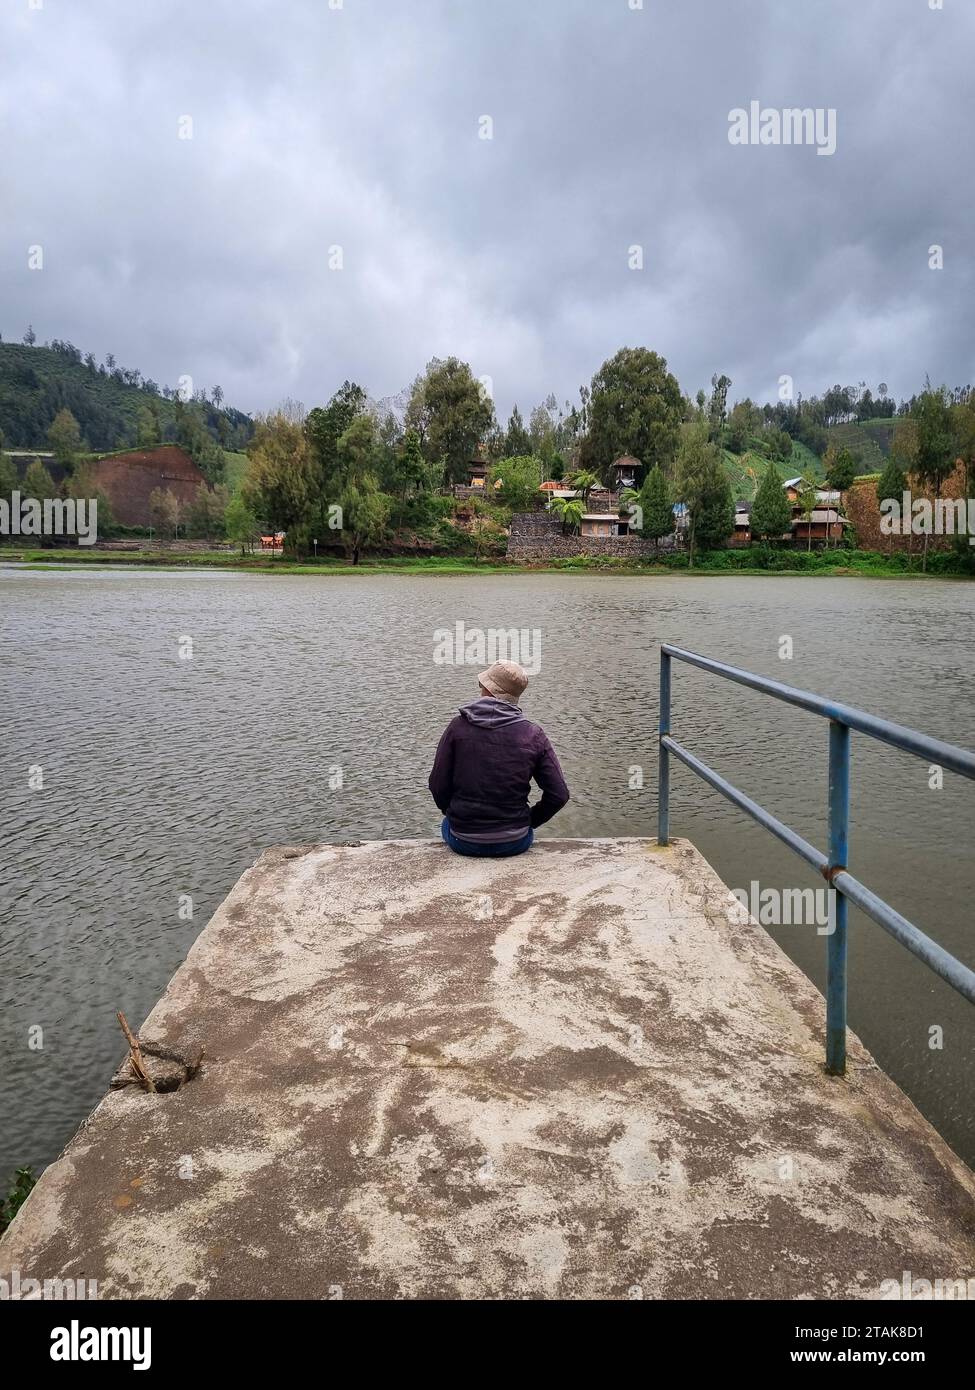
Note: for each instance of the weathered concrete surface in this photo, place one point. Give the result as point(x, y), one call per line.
point(560, 1076)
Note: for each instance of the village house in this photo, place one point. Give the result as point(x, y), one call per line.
point(824, 524)
point(743, 524)
point(554, 488)
point(604, 524)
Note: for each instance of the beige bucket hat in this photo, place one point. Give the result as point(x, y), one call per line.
point(506, 680)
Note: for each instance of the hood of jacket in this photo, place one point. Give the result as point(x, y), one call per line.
point(490, 713)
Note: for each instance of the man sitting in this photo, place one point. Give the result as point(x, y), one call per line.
point(485, 763)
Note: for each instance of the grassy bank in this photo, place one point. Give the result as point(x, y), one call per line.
point(256, 564)
point(761, 559)
point(748, 560)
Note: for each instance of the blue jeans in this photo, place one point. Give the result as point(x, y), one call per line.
point(489, 849)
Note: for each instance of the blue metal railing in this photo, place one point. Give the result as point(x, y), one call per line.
point(842, 719)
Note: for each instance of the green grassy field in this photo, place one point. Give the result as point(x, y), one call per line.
point(745, 470)
point(257, 563)
point(235, 466)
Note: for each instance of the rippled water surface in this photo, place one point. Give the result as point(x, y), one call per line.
point(165, 776)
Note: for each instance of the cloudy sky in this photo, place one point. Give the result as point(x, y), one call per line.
point(360, 127)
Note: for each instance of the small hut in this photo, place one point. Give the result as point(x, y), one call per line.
point(623, 472)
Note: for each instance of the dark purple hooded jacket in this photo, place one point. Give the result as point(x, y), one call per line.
point(484, 766)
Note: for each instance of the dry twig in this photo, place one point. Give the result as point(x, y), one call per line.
point(135, 1054)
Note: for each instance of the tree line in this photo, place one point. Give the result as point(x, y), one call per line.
point(115, 406)
point(351, 468)
point(352, 475)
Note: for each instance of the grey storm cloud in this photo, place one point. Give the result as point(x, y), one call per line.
point(356, 124)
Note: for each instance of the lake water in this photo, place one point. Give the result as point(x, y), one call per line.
point(166, 776)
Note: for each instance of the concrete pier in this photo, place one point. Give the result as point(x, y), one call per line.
point(566, 1075)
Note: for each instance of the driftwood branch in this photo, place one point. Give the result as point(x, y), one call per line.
point(135, 1054)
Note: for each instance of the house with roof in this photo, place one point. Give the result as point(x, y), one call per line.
point(824, 524)
point(743, 523)
point(604, 524)
point(558, 488)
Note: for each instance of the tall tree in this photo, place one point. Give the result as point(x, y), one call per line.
point(718, 405)
point(517, 441)
point(81, 484)
point(146, 427)
point(519, 479)
point(657, 507)
point(891, 486)
point(324, 427)
point(703, 487)
point(542, 429)
point(771, 510)
point(451, 414)
point(365, 509)
point(936, 443)
point(240, 523)
point(963, 414)
point(38, 482)
point(903, 450)
point(64, 437)
point(206, 513)
point(278, 483)
point(743, 422)
point(412, 470)
point(164, 512)
point(841, 470)
point(635, 408)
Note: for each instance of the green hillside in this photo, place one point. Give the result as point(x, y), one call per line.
point(745, 470)
point(870, 438)
point(37, 382)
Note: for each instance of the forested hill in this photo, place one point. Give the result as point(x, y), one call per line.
point(115, 407)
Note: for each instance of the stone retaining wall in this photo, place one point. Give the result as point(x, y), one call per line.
point(539, 537)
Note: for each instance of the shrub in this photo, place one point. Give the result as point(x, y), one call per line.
point(20, 1187)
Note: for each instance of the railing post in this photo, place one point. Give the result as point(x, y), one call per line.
point(663, 756)
point(839, 821)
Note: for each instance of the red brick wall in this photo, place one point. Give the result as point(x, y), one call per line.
point(128, 479)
